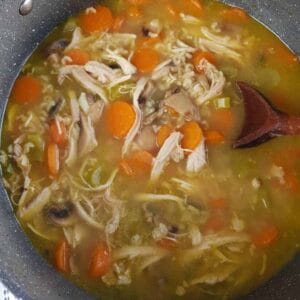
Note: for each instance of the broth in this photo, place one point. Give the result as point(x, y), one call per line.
point(116, 151)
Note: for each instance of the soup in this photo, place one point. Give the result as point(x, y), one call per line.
point(117, 151)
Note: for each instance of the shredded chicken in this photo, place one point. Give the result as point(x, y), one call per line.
point(164, 154)
point(76, 38)
point(87, 138)
point(84, 79)
point(73, 145)
point(127, 67)
point(197, 159)
point(138, 115)
point(100, 71)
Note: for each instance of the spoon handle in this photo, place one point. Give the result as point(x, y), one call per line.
point(290, 125)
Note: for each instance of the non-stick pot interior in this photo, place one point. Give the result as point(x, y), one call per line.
point(25, 272)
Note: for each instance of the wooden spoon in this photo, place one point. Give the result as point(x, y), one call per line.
point(262, 121)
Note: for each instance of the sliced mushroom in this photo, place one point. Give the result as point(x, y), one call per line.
point(56, 47)
point(146, 139)
point(183, 105)
point(61, 214)
point(54, 110)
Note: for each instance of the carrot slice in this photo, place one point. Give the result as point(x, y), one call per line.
point(191, 7)
point(218, 203)
point(145, 59)
point(234, 15)
point(267, 235)
point(27, 89)
point(199, 55)
point(119, 118)
point(146, 42)
point(100, 261)
point(118, 23)
point(192, 135)
point(167, 243)
point(139, 163)
point(134, 12)
point(100, 20)
point(58, 132)
point(216, 222)
point(163, 133)
point(53, 159)
point(62, 256)
point(213, 137)
point(138, 2)
point(222, 120)
point(78, 56)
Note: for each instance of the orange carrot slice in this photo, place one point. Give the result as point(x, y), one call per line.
point(119, 118)
point(100, 20)
point(235, 15)
point(222, 120)
point(167, 243)
point(62, 256)
point(100, 261)
point(163, 133)
point(199, 55)
point(27, 89)
point(118, 23)
point(138, 163)
point(267, 235)
point(213, 137)
point(192, 135)
point(78, 56)
point(145, 59)
point(53, 159)
point(58, 132)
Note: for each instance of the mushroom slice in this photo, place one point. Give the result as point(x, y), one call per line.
point(87, 139)
point(183, 105)
point(61, 214)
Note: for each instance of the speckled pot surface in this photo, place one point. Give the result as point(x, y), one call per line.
point(21, 269)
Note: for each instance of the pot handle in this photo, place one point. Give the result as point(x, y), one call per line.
point(25, 7)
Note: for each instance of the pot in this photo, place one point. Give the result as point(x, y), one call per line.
point(26, 273)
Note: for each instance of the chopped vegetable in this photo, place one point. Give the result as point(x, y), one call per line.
point(27, 90)
point(192, 135)
point(222, 102)
point(62, 256)
point(145, 59)
point(134, 12)
point(119, 118)
point(199, 55)
point(218, 203)
point(58, 132)
point(37, 152)
point(266, 236)
point(100, 261)
point(145, 42)
point(222, 120)
point(118, 23)
point(235, 15)
point(138, 163)
point(167, 243)
point(216, 222)
point(78, 57)
point(53, 159)
point(163, 133)
point(11, 115)
point(100, 20)
point(213, 137)
point(191, 7)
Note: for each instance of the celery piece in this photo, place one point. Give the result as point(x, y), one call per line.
point(12, 113)
point(224, 102)
point(37, 152)
point(124, 89)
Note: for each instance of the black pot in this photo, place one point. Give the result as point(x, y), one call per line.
point(21, 269)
